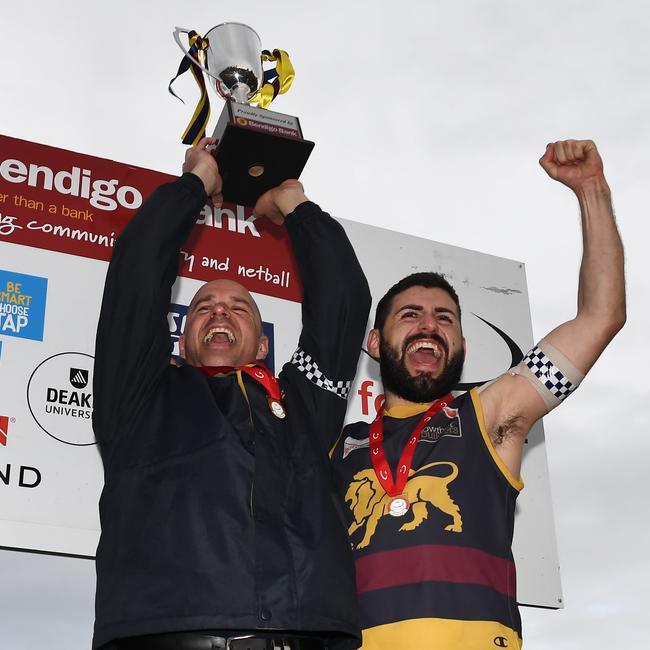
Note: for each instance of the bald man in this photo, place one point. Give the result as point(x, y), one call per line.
point(220, 524)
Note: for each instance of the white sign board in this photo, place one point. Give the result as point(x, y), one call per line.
point(59, 214)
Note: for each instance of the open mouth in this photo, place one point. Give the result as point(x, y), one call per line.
point(219, 335)
point(425, 352)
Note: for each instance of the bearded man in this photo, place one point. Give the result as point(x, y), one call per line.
point(431, 484)
point(220, 527)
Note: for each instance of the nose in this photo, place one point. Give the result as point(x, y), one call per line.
point(221, 310)
point(428, 323)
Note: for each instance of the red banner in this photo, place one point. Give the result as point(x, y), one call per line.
point(72, 203)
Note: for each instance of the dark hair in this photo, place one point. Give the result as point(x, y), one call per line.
point(426, 279)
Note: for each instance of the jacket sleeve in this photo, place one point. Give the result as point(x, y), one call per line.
point(133, 345)
point(335, 307)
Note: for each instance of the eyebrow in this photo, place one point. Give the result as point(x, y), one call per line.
point(437, 310)
point(210, 297)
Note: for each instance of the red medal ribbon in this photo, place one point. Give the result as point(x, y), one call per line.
point(378, 458)
point(259, 372)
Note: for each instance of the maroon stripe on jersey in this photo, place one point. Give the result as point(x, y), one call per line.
point(435, 563)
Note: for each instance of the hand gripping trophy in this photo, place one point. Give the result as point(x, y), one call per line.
point(257, 148)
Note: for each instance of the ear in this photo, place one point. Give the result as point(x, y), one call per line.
point(374, 338)
point(181, 345)
point(262, 348)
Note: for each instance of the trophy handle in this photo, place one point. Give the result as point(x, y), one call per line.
point(177, 32)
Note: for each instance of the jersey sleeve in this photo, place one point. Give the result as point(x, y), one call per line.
point(133, 345)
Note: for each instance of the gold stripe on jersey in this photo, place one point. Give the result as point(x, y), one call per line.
point(406, 410)
point(440, 634)
point(516, 483)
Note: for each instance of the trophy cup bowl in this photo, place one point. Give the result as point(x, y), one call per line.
point(234, 61)
point(256, 148)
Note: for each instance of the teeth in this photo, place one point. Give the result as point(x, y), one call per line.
point(219, 330)
point(424, 345)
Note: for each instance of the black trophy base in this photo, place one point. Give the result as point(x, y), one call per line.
point(252, 162)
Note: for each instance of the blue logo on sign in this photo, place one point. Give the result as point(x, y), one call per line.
point(22, 305)
point(176, 318)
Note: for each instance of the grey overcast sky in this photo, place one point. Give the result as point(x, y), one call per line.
point(429, 118)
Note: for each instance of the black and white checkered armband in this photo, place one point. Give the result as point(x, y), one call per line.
point(550, 372)
point(310, 369)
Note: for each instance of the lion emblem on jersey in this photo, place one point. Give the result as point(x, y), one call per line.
point(368, 501)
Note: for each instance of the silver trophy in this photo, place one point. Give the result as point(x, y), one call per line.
point(233, 60)
point(257, 148)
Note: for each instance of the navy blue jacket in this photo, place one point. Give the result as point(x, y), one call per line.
point(215, 514)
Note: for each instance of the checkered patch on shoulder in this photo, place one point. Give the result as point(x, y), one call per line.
point(548, 374)
point(311, 370)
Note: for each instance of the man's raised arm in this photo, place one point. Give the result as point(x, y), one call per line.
point(601, 286)
point(133, 344)
point(557, 364)
point(335, 305)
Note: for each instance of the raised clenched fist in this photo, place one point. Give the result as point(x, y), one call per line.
point(573, 162)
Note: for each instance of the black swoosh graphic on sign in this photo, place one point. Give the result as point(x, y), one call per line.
point(515, 353)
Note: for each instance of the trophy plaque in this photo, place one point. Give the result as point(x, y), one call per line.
point(256, 148)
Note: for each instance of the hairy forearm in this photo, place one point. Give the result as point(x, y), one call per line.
point(601, 289)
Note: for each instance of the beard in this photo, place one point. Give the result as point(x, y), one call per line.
point(423, 387)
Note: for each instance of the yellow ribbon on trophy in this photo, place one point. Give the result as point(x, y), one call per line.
point(276, 81)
